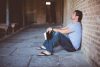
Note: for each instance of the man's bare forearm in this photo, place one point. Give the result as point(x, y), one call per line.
point(62, 30)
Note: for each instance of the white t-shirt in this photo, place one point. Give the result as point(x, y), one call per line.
point(76, 35)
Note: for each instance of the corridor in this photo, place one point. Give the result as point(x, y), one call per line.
point(20, 50)
point(23, 22)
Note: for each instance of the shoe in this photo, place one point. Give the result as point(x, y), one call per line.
point(41, 48)
point(45, 53)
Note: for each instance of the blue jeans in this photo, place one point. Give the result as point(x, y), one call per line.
point(58, 39)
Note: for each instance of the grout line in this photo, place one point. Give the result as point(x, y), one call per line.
point(12, 52)
point(28, 64)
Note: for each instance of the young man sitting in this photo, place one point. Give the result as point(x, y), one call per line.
point(68, 37)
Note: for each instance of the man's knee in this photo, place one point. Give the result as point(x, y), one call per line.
point(57, 33)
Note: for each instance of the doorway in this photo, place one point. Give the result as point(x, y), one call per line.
point(50, 12)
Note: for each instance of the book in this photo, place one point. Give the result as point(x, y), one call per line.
point(48, 35)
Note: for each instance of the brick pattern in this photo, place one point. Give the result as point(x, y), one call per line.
point(91, 29)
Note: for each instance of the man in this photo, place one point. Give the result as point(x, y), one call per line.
point(68, 37)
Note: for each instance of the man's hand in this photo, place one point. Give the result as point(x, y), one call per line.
point(49, 29)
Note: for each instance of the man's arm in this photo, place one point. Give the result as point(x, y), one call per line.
point(63, 30)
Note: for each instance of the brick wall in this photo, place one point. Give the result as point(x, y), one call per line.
point(91, 29)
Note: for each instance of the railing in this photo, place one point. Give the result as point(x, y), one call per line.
point(5, 29)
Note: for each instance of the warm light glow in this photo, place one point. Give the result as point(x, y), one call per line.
point(48, 3)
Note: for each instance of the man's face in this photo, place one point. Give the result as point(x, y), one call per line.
point(73, 16)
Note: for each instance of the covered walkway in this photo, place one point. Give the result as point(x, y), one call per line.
point(20, 38)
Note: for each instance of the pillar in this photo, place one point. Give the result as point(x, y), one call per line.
point(68, 9)
point(7, 13)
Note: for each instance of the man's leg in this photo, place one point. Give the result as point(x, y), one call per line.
point(66, 43)
point(63, 41)
point(50, 44)
point(58, 37)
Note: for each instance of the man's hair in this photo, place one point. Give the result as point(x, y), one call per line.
point(80, 14)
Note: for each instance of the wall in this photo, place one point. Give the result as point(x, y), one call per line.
point(91, 29)
point(68, 9)
point(2, 11)
point(15, 12)
point(65, 13)
point(59, 11)
point(39, 9)
point(11, 11)
point(36, 11)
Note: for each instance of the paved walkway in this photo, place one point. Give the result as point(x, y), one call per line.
point(20, 51)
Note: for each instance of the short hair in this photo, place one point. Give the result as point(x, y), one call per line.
point(80, 14)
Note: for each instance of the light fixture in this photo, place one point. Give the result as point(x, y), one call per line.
point(48, 3)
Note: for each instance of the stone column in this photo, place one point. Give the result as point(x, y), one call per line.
point(7, 13)
point(68, 9)
point(23, 12)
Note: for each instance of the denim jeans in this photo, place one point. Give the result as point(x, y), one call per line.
point(59, 39)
